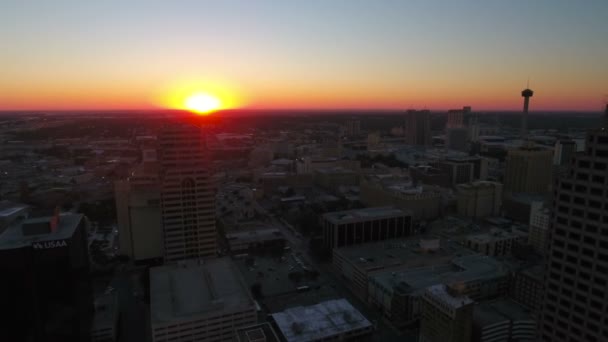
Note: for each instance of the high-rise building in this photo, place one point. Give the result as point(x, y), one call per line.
point(528, 170)
point(447, 316)
point(540, 220)
point(575, 305)
point(138, 211)
point(457, 139)
point(418, 127)
point(187, 194)
point(455, 118)
point(353, 127)
point(564, 150)
point(46, 293)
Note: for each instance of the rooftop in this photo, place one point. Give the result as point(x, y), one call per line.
point(323, 320)
point(366, 214)
point(412, 252)
point(497, 234)
point(192, 288)
point(462, 269)
point(14, 237)
point(255, 235)
point(262, 332)
point(106, 311)
point(441, 293)
point(497, 311)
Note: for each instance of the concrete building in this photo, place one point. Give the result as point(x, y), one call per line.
point(356, 263)
point(574, 303)
point(262, 332)
point(528, 170)
point(527, 288)
point(45, 291)
point(332, 320)
point(455, 118)
point(479, 199)
point(563, 152)
point(459, 171)
point(333, 178)
point(497, 242)
point(199, 301)
point(187, 194)
point(381, 190)
point(418, 127)
point(447, 315)
point(104, 327)
point(138, 213)
point(397, 293)
point(351, 227)
point(538, 237)
point(502, 320)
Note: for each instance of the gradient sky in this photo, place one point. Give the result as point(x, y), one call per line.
point(388, 54)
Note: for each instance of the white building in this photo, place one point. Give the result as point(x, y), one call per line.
point(326, 321)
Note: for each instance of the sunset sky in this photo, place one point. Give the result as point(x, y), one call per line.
point(357, 54)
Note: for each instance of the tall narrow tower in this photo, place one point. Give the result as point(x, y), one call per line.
point(526, 94)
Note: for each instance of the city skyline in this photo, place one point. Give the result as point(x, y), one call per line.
point(315, 55)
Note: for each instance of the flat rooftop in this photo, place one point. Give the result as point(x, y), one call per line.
point(261, 332)
point(366, 214)
point(106, 312)
point(13, 236)
point(497, 234)
point(411, 252)
point(501, 310)
point(319, 321)
point(462, 269)
point(190, 289)
point(255, 235)
point(441, 293)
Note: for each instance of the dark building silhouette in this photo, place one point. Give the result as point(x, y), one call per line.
point(418, 127)
point(526, 94)
point(45, 289)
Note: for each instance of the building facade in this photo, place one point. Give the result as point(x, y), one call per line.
point(187, 194)
point(351, 227)
point(418, 127)
point(528, 170)
point(447, 316)
point(574, 304)
point(479, 199)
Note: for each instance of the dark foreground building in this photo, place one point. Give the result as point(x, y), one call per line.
point(45, 290)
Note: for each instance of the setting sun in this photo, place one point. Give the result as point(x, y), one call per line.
point(202, 103)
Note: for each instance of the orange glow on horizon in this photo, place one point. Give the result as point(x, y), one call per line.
point(202, 103)
point(198, 97)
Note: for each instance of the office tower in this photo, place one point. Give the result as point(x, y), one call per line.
point(526, 94)
point(455, 117)
point(351, 227)
point(418, 127)
point(138, 211)
point(564, 150)
point(45, 291)
point(447, 316)
point(353, 127)
point(528, 170)
point(187, 194)
point(575, 305)
point(479, 199)
point(195, 300)
point(540, 220)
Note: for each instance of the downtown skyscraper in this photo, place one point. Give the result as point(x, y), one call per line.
point(575, 302)
point(187, 194)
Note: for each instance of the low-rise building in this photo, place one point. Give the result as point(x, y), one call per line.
point(251, 240)
point(199, 301)
point(356, 263)
point(479, 199)
point(497, 242)
point(332, 320)
point(397, 293)
point(527, 287)
point(447, 315)
point(352, 227)
point(502, 320)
